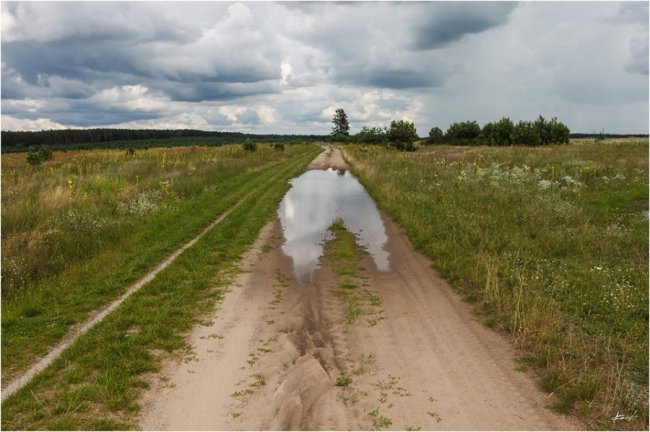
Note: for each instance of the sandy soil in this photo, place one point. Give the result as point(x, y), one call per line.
point(330, 158)
point(272, 354)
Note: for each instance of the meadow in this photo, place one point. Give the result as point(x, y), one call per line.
point(552, 246)
point(77, 230)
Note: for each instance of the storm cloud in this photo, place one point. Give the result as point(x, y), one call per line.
point(284, 67)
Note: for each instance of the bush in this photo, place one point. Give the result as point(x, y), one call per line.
point(370, 135)
point(278, 146)
point(526, 134)
point(499, 133)
point(436, 135)
point(560, 133)
point(463, 133)
point(402, 135)
point(249, 145)
point(36, 157)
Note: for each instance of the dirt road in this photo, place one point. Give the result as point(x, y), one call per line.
point(276, 349)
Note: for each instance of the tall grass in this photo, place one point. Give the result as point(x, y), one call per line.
point(552, 243)
point(77, 230)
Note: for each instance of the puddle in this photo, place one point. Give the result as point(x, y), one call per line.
point(315, 200)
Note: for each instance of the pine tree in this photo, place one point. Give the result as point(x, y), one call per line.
point(341, 125)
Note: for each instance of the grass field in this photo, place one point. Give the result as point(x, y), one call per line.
point(552, 244)
point(77, 230)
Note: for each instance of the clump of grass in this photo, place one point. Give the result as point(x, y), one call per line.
point(344, 255)
point(379, 421)
point(552, 245)
point(343, 381)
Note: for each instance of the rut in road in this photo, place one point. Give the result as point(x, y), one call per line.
point(280, 354)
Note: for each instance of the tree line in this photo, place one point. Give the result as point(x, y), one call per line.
point(122, 138)
point(503, 133)
point(402, 134)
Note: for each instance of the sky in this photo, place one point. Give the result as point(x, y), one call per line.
point(285, 67)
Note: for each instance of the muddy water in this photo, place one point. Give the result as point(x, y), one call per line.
point(316, 199)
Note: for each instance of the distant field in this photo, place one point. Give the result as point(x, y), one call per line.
point(78, 229)
point(552, 243)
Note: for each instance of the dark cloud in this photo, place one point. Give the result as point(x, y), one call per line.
point(393, 78)
point(284, 67)
point(447, 23)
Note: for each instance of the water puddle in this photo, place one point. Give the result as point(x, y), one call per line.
point(316, 199)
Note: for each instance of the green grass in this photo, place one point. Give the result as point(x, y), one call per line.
point(44, 293)
point(343, 255)
point(552, 245)
point(96, 383)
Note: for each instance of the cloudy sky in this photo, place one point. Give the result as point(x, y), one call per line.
point(284, 67)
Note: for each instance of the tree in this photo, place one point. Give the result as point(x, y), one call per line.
point(525, 133)
point(498, 133)
point(370, 135)
point(402, 134)
point(341, 125)
point(543, 129)
point(560, 133)
point(463, 132)
point(436, 135)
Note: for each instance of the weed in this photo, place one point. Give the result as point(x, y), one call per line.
point(379, 421)
point(343, 381)
point(434, 415)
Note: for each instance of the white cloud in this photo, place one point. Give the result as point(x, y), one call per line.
point(14, 123)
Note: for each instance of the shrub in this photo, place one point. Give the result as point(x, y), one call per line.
point(560, 133)
point(370, 135)
point(278, 146)
point(463, 132)
point(436, 135)
point(525, 134)
point(499, 133)
point(36, 157)
point(402, 135)
point(249, 145)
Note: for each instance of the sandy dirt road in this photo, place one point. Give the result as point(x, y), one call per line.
point(271, 356)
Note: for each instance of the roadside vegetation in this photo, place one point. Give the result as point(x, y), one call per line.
point(95, 384)
point(78, 229)
point(551, 243)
